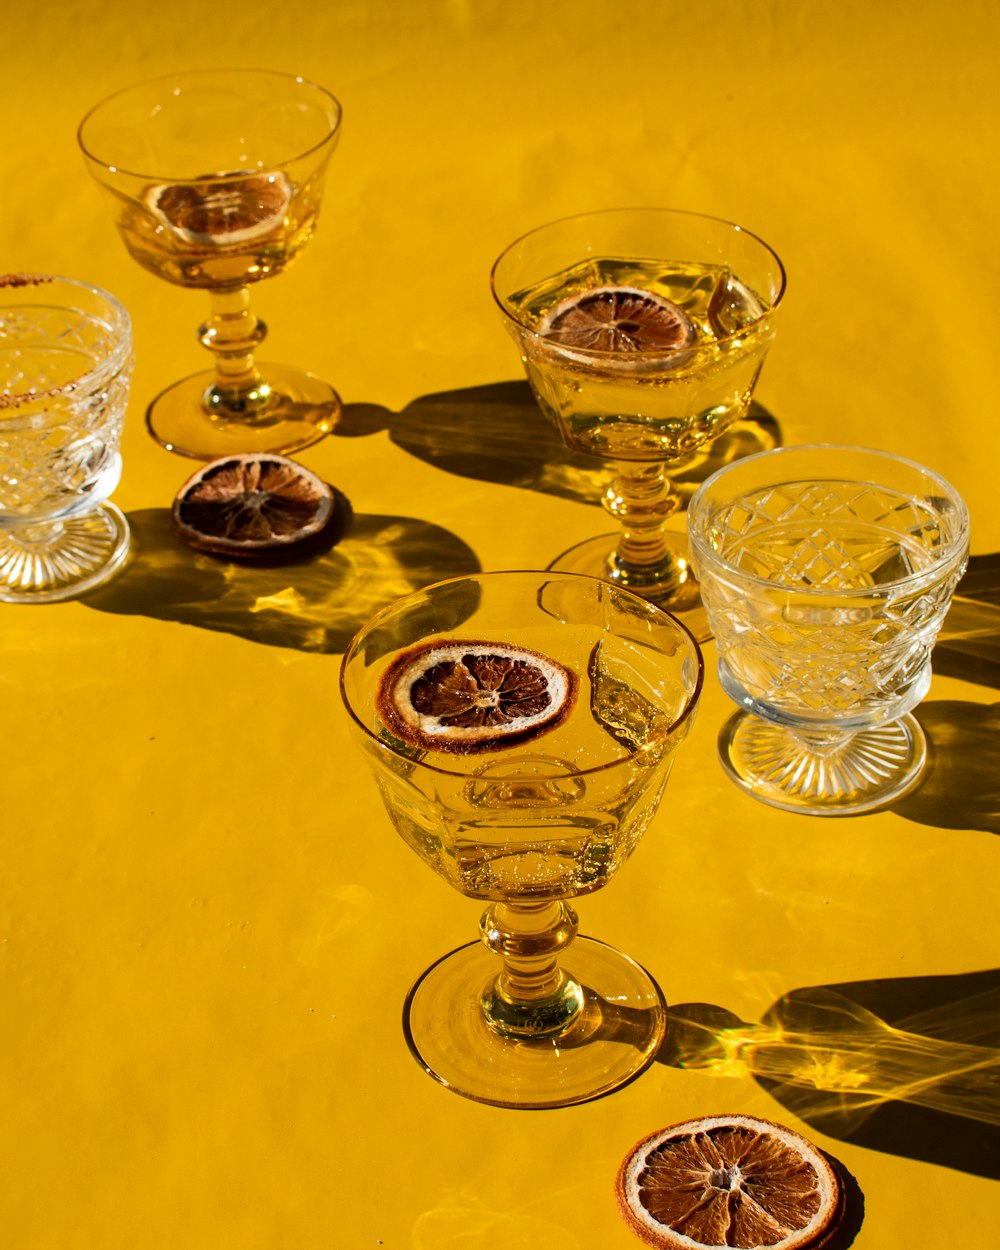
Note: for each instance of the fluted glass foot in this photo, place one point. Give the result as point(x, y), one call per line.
point(59, 560)
point(289, 410)
point(823, 774)
point(613, 1036)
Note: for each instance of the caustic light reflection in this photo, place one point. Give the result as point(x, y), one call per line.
point(847, 1062)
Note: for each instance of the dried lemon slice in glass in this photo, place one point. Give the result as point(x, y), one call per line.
point(224, 209)
point(467, 696)
point(729, 1181)
point(619, 319)
point(253, 504)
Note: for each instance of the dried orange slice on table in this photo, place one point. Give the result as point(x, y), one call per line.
point(465, 697)
point(729, 1181)
point(253, 505)
point(224, 209)
point(620, 319)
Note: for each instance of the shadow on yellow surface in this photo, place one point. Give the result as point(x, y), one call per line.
point(908, 1066)
point(312, 605)
point(497, 433)
point(960, 788)
point(969, 646)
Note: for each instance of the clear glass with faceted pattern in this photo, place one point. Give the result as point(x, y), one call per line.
point(826, 572)
point(65, 368)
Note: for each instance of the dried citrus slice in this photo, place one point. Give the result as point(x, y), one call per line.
point(224, 209)
point(729, 1181)
point(620, 319)
point(466, 697)
point(253, 504)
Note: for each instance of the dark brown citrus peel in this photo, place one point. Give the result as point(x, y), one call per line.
point(223, 210)
point(467, 696)
point(622, 320)
point(253, 506)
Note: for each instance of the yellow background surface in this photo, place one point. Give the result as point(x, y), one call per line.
point(207, 926)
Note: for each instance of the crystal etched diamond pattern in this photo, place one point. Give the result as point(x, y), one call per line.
point(58, 438)
point(65, 368)
point(816, 653)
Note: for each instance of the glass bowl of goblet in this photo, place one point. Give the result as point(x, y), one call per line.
point(642, 332)
point(215, 180)
point(526, 819)
point(65, 366)
point(826, 572)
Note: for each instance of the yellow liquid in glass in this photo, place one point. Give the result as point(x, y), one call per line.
point(556, 816)
point(653, 406)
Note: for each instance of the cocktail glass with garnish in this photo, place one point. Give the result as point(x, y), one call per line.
point(521, 728)
point(643, 333)
point(65, 367)
point(215, 180)
point(826, 572)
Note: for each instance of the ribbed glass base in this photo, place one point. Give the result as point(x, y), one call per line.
point(823, 774)
point(52, 561)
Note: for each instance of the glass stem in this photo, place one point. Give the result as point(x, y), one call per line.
point(821, 743)
point(39, 534)
point(532, 997)
point(641, 498)
point(232, 333)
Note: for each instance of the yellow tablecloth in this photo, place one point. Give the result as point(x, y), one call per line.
point(207, 926)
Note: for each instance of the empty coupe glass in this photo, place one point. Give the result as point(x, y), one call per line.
point(826, 572)
point(215, 179)
point(528, 1017)
point(65, 366)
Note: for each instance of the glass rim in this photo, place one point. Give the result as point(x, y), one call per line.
point(121, 322)
point(691, 696)
point(953, 551)
point(208, 76)
point(597, 354)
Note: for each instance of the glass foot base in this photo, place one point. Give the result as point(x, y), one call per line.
point(299, 411)
point(682, 599)
point(615, 1037)
point(50, 562)
point(863, 771)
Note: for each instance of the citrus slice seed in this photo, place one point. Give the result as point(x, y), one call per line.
point(466, 697)
point(223, 209)
point(619, 319)
point(729, 1181)
point(253, 504)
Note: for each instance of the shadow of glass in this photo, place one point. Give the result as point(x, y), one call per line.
point(497, 433)
point(908, 1066)
point(969, 643)
point(316, 604)
point(960, 787)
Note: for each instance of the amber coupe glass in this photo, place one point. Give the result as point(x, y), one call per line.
point(647, 408)
point(215, 180)
point(527, 1016)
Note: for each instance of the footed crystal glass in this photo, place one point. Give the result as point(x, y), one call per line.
point(826, 572)
point(65, 366)
point(642, 332)
point(215, 180)
point(531, 1015)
